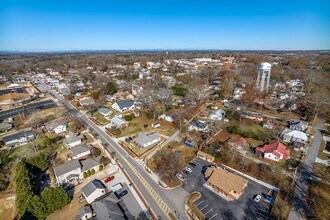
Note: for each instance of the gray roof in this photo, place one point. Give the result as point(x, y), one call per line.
point(90, 187)
point(5, 126)
point(118, 121)
point(18, 135)
point(55, 124)
point(143, 138)
point(299, 122)
point(72, 138)
point(108, 208)
point(85, 210)
point(80, 149)
point(104, 111)
point(125, 104)
point(86, 101)
point(66, 167)
point(89, 163)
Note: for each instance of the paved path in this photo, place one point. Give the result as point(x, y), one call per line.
point(160, 201)
point(299, 205)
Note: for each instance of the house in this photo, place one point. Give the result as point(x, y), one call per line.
point(118, 122)
point(298, 125)
point(72, 171)
point(237, 142)
point(93, 190)
point(197, 126)
point(72, 140)
point(218, 114)
point(105, 112)
point(19, 138)
point(292, 136)
point(58, 126)
point(268, 124)
point(86, 101)
point(274, 151)
point(205, 156)
point(110, 208)
point(81, 151)
point(86, 213)
point(5, 126)
point(165, 117)
point(123, 105)
point(225, 183)
point(147, 140)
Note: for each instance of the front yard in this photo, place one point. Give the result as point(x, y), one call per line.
point(100, 118)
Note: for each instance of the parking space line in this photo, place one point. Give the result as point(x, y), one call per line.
point(208, 212)
point(214, 216)
point(199, 203)
point(204, 207)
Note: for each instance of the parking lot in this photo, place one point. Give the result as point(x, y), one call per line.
point(215, 207)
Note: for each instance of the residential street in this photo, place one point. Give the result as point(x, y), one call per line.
point(160, 201)
point(299, 204)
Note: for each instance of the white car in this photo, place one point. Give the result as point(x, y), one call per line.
point(257, 198)
point(188, 169)
point(180, 177)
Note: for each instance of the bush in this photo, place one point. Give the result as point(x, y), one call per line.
point(89, 173)
point(93, 172)
point(85, 175)
point(178, 90)
point(129, 117)
point(149, 115)
point(100, 167)
point(55, 198)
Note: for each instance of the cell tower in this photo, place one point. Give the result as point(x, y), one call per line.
point(263, 76)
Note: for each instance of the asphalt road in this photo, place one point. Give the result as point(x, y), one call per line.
point(174, 199)
point(299, 205)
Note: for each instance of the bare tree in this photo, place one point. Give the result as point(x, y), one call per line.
point(165, 97)
point(197, 94)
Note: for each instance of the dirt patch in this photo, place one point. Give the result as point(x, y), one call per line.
point(7, 207)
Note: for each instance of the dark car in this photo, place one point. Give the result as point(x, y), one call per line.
point(192, 164)
point(123, 193)
point(127, 140)
point(185, 172)
point(108, 179)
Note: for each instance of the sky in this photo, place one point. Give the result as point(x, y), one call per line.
point(58, 25)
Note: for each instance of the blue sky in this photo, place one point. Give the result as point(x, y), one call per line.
point(173, 24)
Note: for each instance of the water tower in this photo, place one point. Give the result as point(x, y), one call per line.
point(263, 76)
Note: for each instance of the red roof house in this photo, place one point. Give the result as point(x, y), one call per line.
point(274, 151)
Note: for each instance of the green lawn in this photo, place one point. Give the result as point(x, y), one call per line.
point(100, 118)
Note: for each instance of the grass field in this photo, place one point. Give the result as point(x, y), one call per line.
point(68, 212)
point(100, 118)
point(137, 125)
point(138, 150)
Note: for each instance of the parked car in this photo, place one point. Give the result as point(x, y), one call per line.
point(257, 198)
point(188, 169)
point(123, 193)
point(180, 177)
point(185, 172)
point(108, 179)
point(192, 164)
point(127, 140)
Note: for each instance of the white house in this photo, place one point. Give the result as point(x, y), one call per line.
point(105, 112)
point(197, 126)
point(72, 140)
point(93, 190)
point(72, 171)
point(291, 136)
point(147, 140)
point(165, 117)
point(123, 105)
point(58, 127)
point(218, 114)
point(81, 151)
point(118, 122)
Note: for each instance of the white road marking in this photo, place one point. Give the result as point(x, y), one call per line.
point(204, 207)
point(214, 216)
point(208, 212)
point(199, 203)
